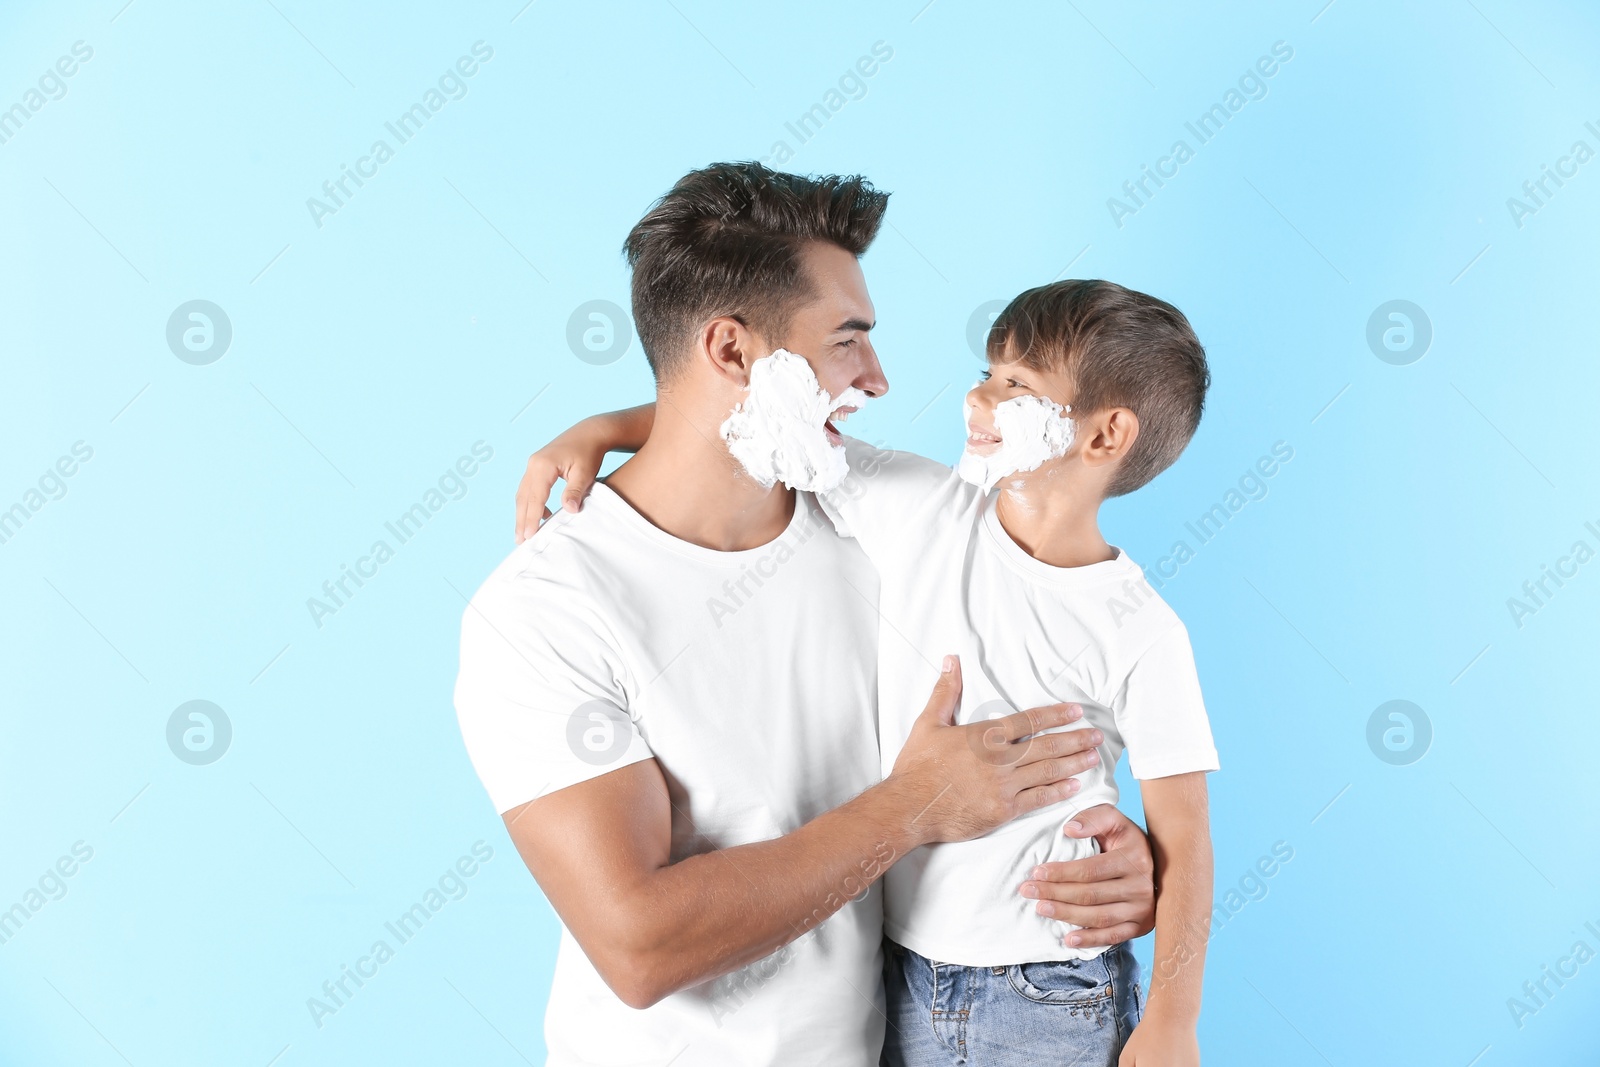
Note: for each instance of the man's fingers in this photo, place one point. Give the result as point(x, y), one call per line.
point(1078, 745)
point(1056, 769)
point(1042, 796)
point(1090, 918)
point(1022, 723)
point(1101, 867)
point(1096, 821)
point(1130, 890)
point(946, 697)
point(1110, 935)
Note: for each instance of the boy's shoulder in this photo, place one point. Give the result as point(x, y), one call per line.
point(872, 463)
point(887, 491)
point(1133, 615)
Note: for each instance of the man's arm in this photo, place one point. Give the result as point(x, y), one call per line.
point(1175, 808)
point(600, 849)
point(1112, 895)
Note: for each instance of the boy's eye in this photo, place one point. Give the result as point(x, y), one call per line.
point(986, 376)
point(1013, 383)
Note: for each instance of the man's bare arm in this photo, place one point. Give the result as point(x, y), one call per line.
point(600, 850)
point(1112, 895)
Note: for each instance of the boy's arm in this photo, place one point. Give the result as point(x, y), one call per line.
point(576, 455)
point(1180, 837)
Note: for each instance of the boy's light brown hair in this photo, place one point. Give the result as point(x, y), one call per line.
point(1117, 348)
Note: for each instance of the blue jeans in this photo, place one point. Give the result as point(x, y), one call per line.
point(1075, 1013)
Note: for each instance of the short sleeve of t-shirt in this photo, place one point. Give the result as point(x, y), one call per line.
point(539, 696)
point(886, 495)
point(1162, 717)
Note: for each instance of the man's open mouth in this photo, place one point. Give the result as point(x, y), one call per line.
point(831, 428)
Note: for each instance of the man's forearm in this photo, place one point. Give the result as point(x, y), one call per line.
point(718, 911)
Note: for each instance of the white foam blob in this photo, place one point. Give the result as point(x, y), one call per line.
point(776, 433)
point(1032, 430)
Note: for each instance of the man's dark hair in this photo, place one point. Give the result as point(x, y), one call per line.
point(727, 241)
point(1117, 348)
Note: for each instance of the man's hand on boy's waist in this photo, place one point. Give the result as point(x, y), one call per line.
point(1112, 895)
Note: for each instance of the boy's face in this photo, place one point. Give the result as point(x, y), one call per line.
point(1002, 382)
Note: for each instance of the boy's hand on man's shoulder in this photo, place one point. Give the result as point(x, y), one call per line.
point(1112, 896)
point(575, 456)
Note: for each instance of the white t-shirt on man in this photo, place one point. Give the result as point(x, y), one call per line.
point(749, 677)
point(952, 581)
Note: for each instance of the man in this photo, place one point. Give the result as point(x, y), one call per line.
point(670, 695)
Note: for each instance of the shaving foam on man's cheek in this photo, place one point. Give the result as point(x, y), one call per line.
point(1032, 430)
point(777, 432)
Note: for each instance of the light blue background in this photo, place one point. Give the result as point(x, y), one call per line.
point(430, 313)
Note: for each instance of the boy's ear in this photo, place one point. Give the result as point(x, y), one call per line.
point(729, 348)
point(1109, 435)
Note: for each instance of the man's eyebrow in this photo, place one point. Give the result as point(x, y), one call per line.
point(851, 325)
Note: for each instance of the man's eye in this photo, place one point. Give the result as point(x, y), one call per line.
point(847, 344)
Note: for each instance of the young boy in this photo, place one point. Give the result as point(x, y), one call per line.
point(1092, 391)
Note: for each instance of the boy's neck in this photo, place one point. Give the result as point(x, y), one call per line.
point(1057, 524)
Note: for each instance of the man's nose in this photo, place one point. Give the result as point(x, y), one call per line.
point(869, 379)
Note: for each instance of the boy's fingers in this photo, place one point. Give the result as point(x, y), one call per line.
point(579, 481)
point(534, 490)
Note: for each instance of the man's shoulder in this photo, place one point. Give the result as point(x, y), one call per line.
point(560, 567)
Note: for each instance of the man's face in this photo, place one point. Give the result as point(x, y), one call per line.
point(832, 332)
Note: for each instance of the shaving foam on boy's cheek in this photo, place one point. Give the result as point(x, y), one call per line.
point(1032, 430)
point(776, 433)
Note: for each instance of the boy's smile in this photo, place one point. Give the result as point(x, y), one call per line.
point(1002, 382)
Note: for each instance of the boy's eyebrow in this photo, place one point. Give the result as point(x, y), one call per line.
point(851, 325)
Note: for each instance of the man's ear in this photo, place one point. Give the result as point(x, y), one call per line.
point(1109, 435)
point(729, 348)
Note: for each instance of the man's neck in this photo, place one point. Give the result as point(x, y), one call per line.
point(685, 482)
point(1059, 526)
